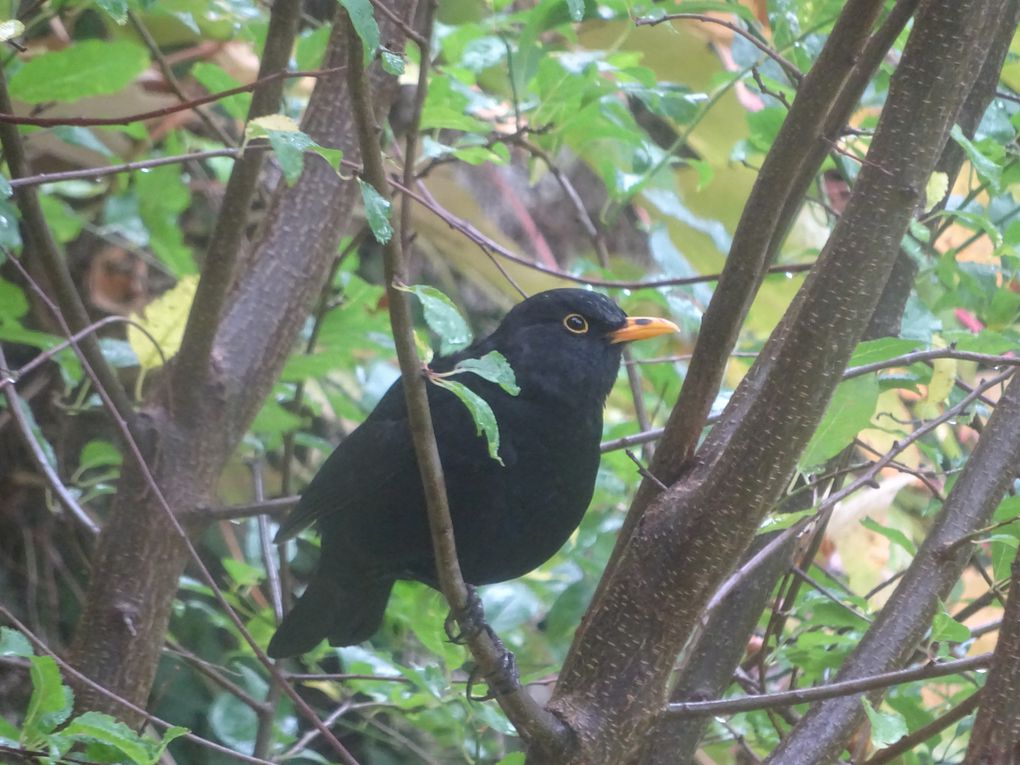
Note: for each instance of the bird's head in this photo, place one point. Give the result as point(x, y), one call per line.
point(566, 343)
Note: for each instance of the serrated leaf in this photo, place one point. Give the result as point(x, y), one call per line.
point(164, 319)
point(442, 317)
point(493, 367)
point(849, 412)
point(935, 190)
point(10, 29)
point(363, 21)
point(88, 68)
point(481, 413)
point(51, 701)
point(377, 212)
point(945, 629)
point(886, 728)
point(13, 643)
point(104, 729)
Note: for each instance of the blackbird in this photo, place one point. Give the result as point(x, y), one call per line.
point(509, 518)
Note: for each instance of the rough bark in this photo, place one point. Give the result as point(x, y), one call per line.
point(709, 665)
point(140, 558)
point(615, 677)
point(995, 737)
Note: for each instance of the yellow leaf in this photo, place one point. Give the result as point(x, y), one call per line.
point(943, 377)
point(277, 123)
point(935, 191)
point(164, 320)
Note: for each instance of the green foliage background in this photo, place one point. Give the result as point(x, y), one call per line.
point(662, 128)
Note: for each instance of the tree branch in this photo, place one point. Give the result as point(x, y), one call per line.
point(828, 691)
point(190, 370)
point(692, 534)
point(533, 723)
point(39, 241)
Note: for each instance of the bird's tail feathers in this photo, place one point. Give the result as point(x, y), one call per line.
point(345, 614)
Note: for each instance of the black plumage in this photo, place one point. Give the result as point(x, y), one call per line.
point(367, 498)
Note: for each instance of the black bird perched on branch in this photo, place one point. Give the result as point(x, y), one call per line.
point(367, 498)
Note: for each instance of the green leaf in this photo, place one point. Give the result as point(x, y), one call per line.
point(6, 190)
point(377, 212)
point(985, 167)
point(895, 536)
point(234, 722)
point(13, 303)
point(51, 700)
point(89, 68)
point(13, 643)
point(392, 63)
point(481, 413)
point(98, 453)
point(883, 349)
point(115, 9)
point(780, 521)
point(287, 140)
point(886, 727)
point(945, 629)
point(104, 729)
point(443, 318)
point(363, 21)
point(215, 79)
point(848, 413)
point(576, 9)
point(493, 367)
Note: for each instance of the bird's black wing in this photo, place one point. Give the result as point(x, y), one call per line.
point(371, 454)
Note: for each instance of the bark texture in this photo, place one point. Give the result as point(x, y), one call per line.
point(140, 557)
point(615, 677)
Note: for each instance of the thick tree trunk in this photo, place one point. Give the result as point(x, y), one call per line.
point(614, 680)
point(140, 557)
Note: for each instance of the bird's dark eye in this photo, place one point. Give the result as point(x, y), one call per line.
point(576, 323)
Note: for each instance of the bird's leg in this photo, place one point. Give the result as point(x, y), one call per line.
point(505, 679)
point(463, 624)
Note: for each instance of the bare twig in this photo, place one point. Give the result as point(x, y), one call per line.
point(829, 691)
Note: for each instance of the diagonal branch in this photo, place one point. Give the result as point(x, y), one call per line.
point(40, 243)
point(191, 368)
point(532, 722)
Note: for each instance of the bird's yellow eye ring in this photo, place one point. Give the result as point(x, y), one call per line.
point(575, 323)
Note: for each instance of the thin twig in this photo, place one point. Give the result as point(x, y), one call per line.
point(832, 690)
point(9, 118)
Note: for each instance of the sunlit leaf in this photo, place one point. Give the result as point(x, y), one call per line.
point(164, 320)
point(443, 318)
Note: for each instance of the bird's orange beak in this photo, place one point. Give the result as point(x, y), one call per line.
point(641, 327)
